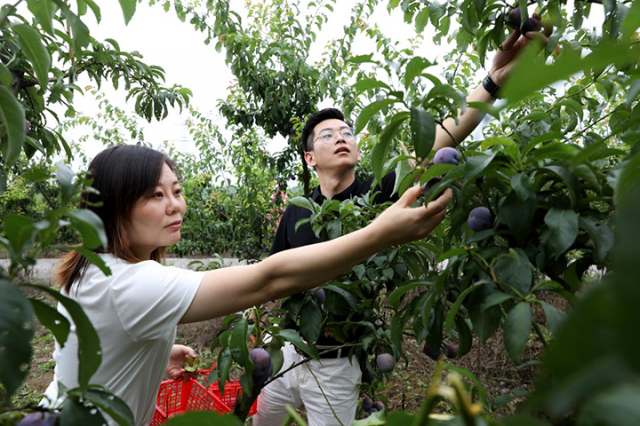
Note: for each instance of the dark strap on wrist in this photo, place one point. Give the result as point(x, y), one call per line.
point(490, 86)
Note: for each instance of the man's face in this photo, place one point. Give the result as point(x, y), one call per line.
point(334, 147)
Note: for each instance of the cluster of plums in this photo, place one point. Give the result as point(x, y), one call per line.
point(450, 351)
point(369, 407)
point(261, 366)
point(480, 218)
point(514, 20)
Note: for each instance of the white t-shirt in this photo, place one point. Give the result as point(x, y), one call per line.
point(135, 312)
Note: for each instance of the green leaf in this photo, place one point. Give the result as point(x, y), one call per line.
point(204, 418)
point(80, 33)
point(628, 179)
point(6, 77)
point(293, 337)
point(95, 9)
point(43, 10)
point(89, 352)
point(631, 21)
point(369, 111)
point(476, 164)
point(19, 230)
point(516, 330)
point(554, 317)
point(563, 227)
point(110, 404)
point(93, 258)
point(381, 150)
point(31, 45)
point(415, 66)
point(496, 298)
point(394, 297)
point(303, 202)
point(600, 234)
point(238, 343)
point(531, 73)
point(465, 338)
point(90, 227)
point(16, 331)
point(128, 9)
point(65, 176)
point(617, 406)
point(12, 115)
point(53, 320)
point(75, 413)
point(346, 295)
point(423, 131)
point(422, 20)
point(310, 321)
point(453, 310)
point(571, 182)
point(369, 83)
point(515, 270)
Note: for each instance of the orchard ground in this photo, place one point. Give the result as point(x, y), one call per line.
point(405, 390)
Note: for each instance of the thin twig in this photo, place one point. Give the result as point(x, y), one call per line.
point(325, 396)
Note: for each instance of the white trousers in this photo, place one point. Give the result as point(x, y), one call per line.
point(338, 378)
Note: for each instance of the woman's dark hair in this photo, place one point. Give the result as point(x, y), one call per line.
point(122, 176)
point(315, 119)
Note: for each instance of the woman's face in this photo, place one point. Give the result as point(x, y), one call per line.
point(156, 220)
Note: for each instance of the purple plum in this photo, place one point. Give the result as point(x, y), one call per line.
point(452, 350)
point(39, 419)
point(447, 155)
point(379, 406)
point(430, 184)
point(385, 362)
point(434, 355)
point(367, 403)
point(480, 219)
point(319, 295)
point(261, 365)
point(514, 20)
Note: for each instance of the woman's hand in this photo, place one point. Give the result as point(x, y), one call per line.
point(175, 366)
point(506, 59)
point(402, 223)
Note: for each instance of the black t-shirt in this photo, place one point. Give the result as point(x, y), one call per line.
point(287, 237)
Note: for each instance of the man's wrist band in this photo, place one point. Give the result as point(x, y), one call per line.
point(490, 86)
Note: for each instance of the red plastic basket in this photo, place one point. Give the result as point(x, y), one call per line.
point(177, 397)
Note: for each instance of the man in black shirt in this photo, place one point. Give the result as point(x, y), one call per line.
point(331, 148)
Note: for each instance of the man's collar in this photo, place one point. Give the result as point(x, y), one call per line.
point(341, 196)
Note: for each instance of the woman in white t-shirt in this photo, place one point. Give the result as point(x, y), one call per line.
point(135, 310)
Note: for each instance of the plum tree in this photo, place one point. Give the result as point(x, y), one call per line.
point(480, 219)
point(385, 362)
point(261, 365)
point(39, 419)
point(447, 155)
